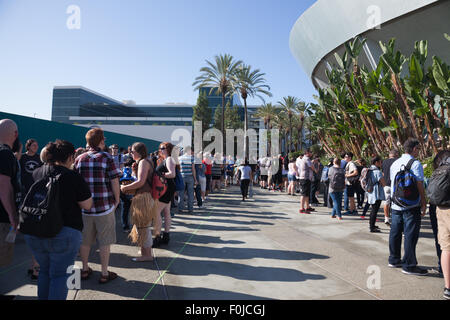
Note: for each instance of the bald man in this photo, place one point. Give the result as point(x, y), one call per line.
point(9, 186)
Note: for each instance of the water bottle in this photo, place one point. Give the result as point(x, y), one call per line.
point(11, 236)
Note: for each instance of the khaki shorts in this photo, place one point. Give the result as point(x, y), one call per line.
point(387, 195)
point(6, 249)
point(443, 217)
point(100, 228)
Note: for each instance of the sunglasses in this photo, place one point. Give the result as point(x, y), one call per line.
point(162, 148)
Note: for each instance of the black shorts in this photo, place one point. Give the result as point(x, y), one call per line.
point(264, 178)
point(351, 189)
point(305, 187)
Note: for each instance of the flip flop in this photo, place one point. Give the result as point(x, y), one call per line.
point(105, 279)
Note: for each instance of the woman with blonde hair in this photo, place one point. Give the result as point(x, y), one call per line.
point(143, 207)
point(165, 167)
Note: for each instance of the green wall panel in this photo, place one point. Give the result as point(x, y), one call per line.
point(44, 131)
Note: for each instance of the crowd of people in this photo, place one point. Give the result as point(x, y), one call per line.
point(398, 182)
point(146, 190)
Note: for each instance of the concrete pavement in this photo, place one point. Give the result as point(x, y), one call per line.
point(260, 249)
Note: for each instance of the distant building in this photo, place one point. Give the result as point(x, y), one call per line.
point(84, 107)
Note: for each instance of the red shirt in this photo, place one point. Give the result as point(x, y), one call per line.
point(208, 167)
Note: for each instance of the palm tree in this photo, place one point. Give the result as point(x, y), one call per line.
point(250, 83)
point(219, 76)
point(267, 113)
point(289, 105)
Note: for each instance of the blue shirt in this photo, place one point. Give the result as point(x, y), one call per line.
point(416, 169)
point(378, 190)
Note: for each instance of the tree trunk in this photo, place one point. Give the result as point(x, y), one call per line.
point(223, 121)
point(430, 135)
point(246, 142)
point(402, 99)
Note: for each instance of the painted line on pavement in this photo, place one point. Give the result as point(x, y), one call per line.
point(176, 257)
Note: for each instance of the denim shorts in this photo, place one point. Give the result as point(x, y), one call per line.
point(291, 178)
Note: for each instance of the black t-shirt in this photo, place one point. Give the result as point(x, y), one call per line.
point(27, 165)
point(386, 168)
point(74, 189)
point(9, 167)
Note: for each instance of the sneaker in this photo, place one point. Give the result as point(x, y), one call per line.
point(397, 265)
point(304, 212)
point(347, 213)
point(375, 230)
point(339, 218)
point(447, 294)
point(415, 271)
point(165, 238)
point(363, 217)
point(386, 222)
point(157, 242)
point(333, 217)
point(311, 209)
point(354, 212)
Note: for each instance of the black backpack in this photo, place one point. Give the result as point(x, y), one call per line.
point(40, 213)
point(337, 182)
point(406, 194)
point(438, 190)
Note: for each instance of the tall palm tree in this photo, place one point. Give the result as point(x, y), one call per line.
point(219, 76)
point(288, 106)
point(250, 83)
point(267, 113)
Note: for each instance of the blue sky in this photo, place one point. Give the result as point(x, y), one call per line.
point(145, 50)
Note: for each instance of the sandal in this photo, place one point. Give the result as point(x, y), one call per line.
point(105, 279)
point(35, 276)
point(85, 274)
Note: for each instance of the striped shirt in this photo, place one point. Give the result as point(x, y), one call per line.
point(98, 169)
point(186, 162)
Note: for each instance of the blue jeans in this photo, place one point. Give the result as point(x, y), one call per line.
point(337, 204)
point(408, 222)
point(189, 187)
point(54, 256)
point(346, 208)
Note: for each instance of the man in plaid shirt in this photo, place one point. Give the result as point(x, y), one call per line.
point(100, 172)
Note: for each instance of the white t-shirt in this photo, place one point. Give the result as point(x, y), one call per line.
point(245, 172)
point(262, 165)
point(304, 170)
point(351, 166)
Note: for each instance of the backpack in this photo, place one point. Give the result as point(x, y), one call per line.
point(366, 180)
point(179, 182)
point(405, 193)
point(337, 182)
point(438, 190)
point(40, 213)
point(159, 185)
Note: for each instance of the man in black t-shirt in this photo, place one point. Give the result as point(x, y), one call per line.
point(9, 186)
point(386, 168)
point(29, 162)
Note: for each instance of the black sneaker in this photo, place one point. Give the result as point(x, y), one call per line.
point(375, 231)
point(416, 271)
point(157, 242)
point(165, 238)
point(397, 265)
point(447, 294)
